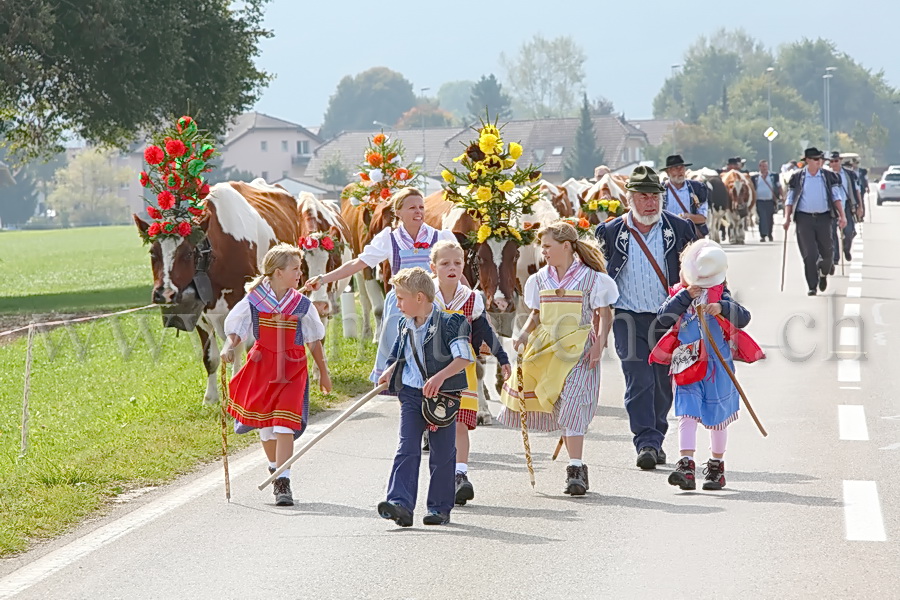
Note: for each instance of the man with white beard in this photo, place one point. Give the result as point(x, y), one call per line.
point(644, 271)
point(685, 198)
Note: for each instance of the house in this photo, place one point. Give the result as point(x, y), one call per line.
point(657, 130)
point(268, 147)
point(295, 186)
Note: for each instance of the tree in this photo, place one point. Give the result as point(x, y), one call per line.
point(547, 75)
point(107, 69)
point(427, 114)
point(585, 156)
point(453, 97)
point(377, 94)
point(333, 172)
point(86, 190)
point(487, 95)
point(18, 202)
point(602, 106)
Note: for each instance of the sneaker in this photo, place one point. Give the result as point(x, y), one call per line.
point(811, 293)
point(465, 491)
point(647, 458)
point(575, 485)
point(436, 518)
point(661, 457)
point(715, 474)
point(283, 492)
point(395, 513)
point(272, 470)
point(823, 283)
point(684, 474)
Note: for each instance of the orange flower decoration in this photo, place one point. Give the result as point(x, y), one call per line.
point(401, 174)
point(378, 139)
point(364, 176)
point(385, 193)
point(375, 159)
point(584, 223)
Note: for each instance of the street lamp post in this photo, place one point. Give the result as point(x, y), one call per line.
point(424, 168)
point(675, 125)
point(827, 77)
point(770, 72)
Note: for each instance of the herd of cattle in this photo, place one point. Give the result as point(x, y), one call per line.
point(243, 220)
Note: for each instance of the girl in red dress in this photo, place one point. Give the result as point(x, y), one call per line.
point(271, 391)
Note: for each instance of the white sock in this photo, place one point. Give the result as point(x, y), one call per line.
point(286, 474)
point(272, 464)
point(575, 462)
point(462, 468)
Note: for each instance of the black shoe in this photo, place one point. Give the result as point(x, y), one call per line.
point(715, 474)
point(647, 458)
point(661, 457)
point(465, 491)
point(283, 492)
point(575, 485)
point(584, 474)
point(831, 272)
point(396, 513)
point(272, 471)
point(847, 256)
point(811, 293)
point(771, 239)
point(823, 282)
point(762, 239)
point(435, 518)
point(684, 475)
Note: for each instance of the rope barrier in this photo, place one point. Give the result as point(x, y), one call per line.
point(77, 320)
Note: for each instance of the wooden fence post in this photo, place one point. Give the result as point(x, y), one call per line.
point(27, 389)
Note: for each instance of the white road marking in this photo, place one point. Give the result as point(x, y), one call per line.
point(848, 371)
point(855, 266)
point(894, 418)
point(862, 512)
point(849, 336)
point(858, 257)
point(850, 387)
point(47, 565)
point(894, 446)
point(851, 310)
point(852, 423)
point(876, 312)
point(855, 277)
point(854, 292)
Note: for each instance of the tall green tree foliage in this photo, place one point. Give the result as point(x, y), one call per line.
point(585, 156)
point(487, 94)
point(108, 69)
point(453, 96)
point(86, 191)
point(378, 94)
point(546, 76)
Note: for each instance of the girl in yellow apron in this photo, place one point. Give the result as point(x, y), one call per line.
point(563, 338)
point(447, 263)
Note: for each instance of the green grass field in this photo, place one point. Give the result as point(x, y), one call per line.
point(73, 270)
point(115, 404)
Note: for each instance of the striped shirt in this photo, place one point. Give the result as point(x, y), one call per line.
point(639, 287)
point(412, 375)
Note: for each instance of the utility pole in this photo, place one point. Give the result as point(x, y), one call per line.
point(771, 73)
point(827, 77)
point(675, 125)
point(424, 168)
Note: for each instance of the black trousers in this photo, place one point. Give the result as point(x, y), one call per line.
point(849, 234)
point(765, 210)
point(815, 241)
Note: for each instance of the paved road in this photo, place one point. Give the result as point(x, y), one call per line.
point(811, 511)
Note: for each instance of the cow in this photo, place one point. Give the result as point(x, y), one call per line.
point(742, 199)
point(719, 201)
point(576, 188)
point(241, 222)
point(560, 197)
point(319, 219)
point(608, 187)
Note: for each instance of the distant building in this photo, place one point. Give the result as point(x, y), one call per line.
point(657, 130)
point(268, 147)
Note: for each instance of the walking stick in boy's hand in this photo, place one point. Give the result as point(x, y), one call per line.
point(524, 416)
point(702, 316)
point(223, 380)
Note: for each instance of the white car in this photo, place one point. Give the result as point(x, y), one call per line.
point(889, 187)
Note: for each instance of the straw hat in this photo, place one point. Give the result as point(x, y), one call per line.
point(704, 264)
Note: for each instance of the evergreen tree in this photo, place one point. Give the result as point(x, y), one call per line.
point(586, 155)
point(488, 93)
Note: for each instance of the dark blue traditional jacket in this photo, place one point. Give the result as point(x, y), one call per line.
point(444, 329)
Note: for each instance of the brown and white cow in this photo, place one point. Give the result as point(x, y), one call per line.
point(241, 222)
point(743, 199)
point(317, 217)
point(608, 187)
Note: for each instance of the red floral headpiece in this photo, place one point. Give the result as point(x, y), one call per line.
point(177, 160)
point(321, 240)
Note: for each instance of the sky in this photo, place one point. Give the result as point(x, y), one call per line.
point(630, 50)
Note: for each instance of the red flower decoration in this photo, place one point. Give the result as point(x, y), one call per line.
point(328, 243)
point(364, 176)
point(378, 139)
point(375, 159)
point(154, 229)
point(385, 193)
point(154, 213)
point(165, 200)
point(309, 243)
point(184, 229)
point(154, 155)
point(195, 211)
point(422, 245)
point(204, 191)
point(175, 148)
point(145, 179)
point(183, 123)
point(401, 174)
point(173, 181)
point(208, 153)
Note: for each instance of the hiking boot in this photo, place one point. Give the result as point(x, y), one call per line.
point(661, 457)
point(715, 474)
point(584, 474)
point(684, 474)
point(847, 255)
point(283, 492)
point(396, 513)
point(464, 489)
point(436, 518)
point(575, 485)
point(811, 293)
point(647, 457)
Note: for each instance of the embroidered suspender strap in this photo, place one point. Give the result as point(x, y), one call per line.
point(637, 237)
point(677, 197)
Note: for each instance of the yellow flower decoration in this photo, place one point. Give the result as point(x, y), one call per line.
point(484, 232)
point(613, 205)
point(489, 129)
point(514, 232)
point(515, 150)
point(460, 157)
point(483, 193)
point(488, 143)
point(494, 163)
point(507, 186)
point(447, 175)
point(509, 163)
point(604, 204)
point(592, 205)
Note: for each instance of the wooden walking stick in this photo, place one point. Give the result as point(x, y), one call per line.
point(559, 446)
point(223, 381)
point(784, 257)
point(524, 417)
point(343, 417)
point(841, 251)
point(701, 309)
